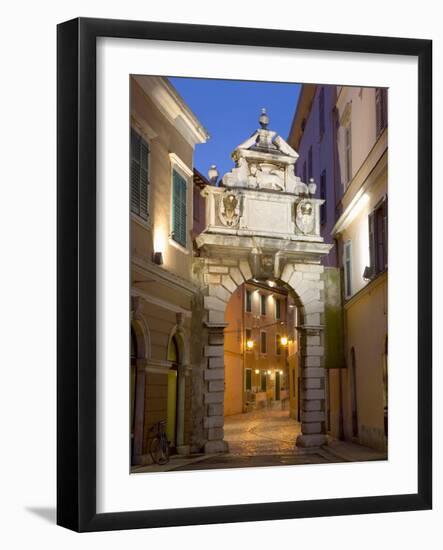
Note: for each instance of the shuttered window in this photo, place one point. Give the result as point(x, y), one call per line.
point(178, 208)
point(347, 262)
point(248, 379)
point(263, 342)
point(277, 308)
point(139, 175)
point(348, 153)
point(381, 109)
point(263, 381)
point(248, 301)
point(277, 344)
point(263, 304)
point(378, 238)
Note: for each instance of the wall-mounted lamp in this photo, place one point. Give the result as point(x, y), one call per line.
point(269, 372)
point(284, 340)
point(158, 258)
point(280, 371)
point(257, 371)
point(249, 344)
point(367, 273)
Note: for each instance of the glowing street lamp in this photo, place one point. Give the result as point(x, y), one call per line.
point(284, 340)
point(249, 344)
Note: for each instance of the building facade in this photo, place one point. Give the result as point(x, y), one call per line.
point(341, 134)
point(164, 133)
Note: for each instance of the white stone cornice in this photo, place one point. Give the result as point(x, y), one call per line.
point(169, 102)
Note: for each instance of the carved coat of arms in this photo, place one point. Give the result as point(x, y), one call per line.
point(304, 216)
point(229, 209)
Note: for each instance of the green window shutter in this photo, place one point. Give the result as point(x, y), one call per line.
point(139, 175)
point(179, 208)
point(144, 183)
point(135, 172)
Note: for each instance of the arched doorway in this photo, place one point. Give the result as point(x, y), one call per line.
point(172, 408)
point(140, 352)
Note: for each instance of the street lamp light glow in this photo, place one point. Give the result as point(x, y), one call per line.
point(284, 340)
point(250, 344)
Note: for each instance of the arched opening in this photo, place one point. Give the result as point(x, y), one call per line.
point(262, 405)
point(140, 351)
point(172, 396)
point(353, 374)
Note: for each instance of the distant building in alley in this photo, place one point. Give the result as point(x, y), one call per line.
point(341, 135)
point(261, 363)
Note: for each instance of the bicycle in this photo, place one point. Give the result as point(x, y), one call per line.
point(159, 445)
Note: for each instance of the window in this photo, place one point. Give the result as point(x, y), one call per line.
point(248, 301)
point(139, 175)
point(263, 342)
point(277, 308)
point(248, 379)
point(381, 110)
point(178, 208)
point(310, 163)
point(348, 154)
point(378, 238)
point(277, 344)
point(323, 211)
point(321, 112)
point(347, 262)
point(263, 304)
point(263, 381)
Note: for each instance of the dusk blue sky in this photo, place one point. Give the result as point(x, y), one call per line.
point(229, 110)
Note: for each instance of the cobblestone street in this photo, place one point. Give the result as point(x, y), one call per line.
point(261, 432)
point(266, 438)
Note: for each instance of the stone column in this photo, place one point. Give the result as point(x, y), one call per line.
point(313, 396)
point(214, 376)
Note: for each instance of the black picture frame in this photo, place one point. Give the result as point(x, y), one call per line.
point(76, 265)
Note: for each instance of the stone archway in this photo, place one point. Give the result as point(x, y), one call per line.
point(263, 222)
point(305, 279)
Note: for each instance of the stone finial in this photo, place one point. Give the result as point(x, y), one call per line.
point(264, 119)
point(213, 174)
